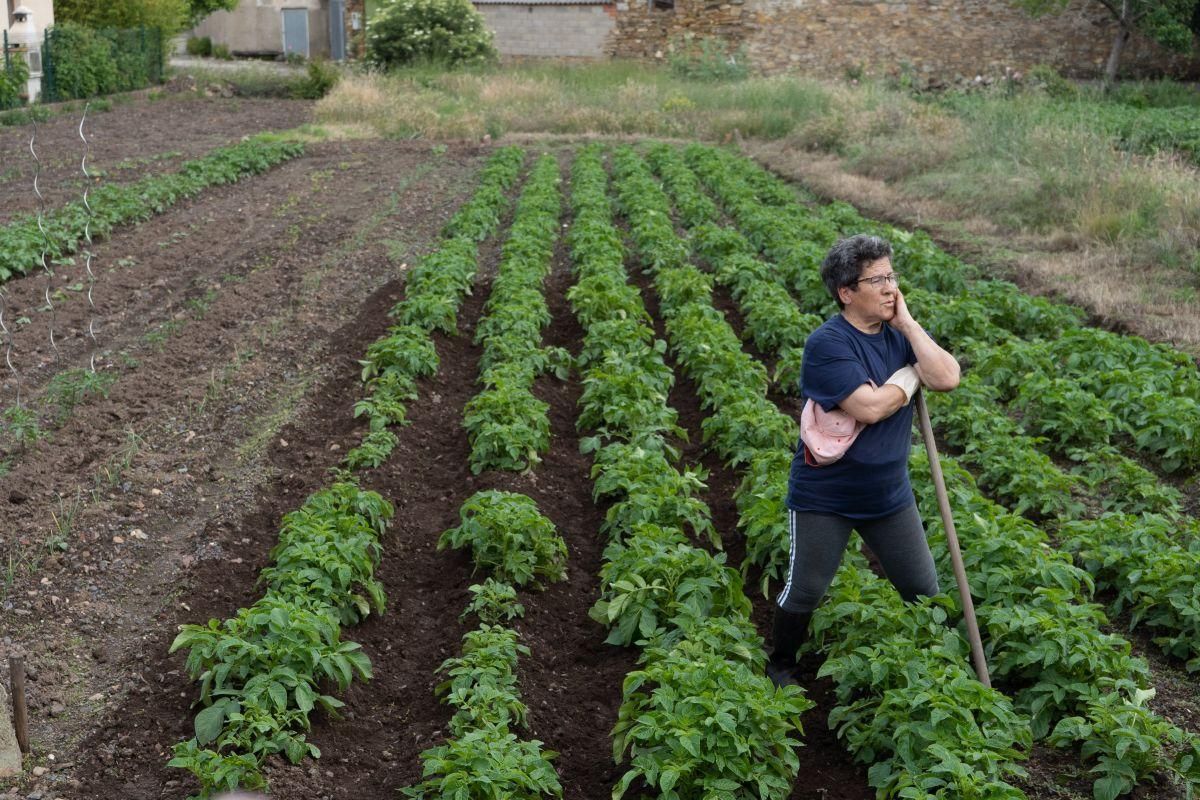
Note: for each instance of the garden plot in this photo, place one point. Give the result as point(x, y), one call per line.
point(241, 409)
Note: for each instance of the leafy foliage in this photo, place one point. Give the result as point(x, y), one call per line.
point(263, 672)
point(509, 537)
point(22, 242)
point(447, 32)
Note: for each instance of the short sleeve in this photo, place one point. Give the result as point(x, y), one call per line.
point(830, 371)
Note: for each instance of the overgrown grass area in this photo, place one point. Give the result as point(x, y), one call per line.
point(1068, 162)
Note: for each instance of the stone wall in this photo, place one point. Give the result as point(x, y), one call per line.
point(560, 31)
point(937, 40)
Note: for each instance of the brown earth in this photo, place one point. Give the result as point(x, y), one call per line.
point(233, 323)
point(138, 136)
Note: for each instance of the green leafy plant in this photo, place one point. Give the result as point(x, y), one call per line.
point(509, 537)
point(447, 32)
point(493, 602)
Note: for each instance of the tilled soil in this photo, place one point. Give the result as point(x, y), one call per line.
point(240, 402)
point(233, 323)
point(138, 136)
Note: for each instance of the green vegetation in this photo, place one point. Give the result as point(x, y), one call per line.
point(442, 32)
point(509, 538)
point(22, 241)
point(1171, 23)
point(436, 288)
point(13, 83)
point(1026, 158)
point(85, 62)
point(507, 425)
point(265, 671)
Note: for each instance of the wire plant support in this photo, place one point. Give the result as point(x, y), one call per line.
point(87, 237)
point(37, 171)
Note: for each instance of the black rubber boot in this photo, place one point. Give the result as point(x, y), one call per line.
point(788, 631)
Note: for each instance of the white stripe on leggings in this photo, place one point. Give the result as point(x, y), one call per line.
point(787, 587)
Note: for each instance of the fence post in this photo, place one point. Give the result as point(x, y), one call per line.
point(7, 62)
point(49, 81)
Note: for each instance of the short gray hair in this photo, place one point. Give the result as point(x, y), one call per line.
point(846, 259)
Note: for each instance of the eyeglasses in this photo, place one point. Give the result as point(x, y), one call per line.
point(879, 280)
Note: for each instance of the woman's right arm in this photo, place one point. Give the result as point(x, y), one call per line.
point(869, 404)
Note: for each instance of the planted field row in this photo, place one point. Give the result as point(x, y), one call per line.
point(699, 718)
point(1010, 463)
point(483, 756)
point(263, 672)
point(59, 232)
point(506, 423)
point(1153, 390)
point(908, 705)
point(1046, 638)
point(434, 291)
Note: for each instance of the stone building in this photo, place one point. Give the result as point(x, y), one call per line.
point(934, 40)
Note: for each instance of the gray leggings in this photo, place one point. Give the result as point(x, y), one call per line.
point(818, 541)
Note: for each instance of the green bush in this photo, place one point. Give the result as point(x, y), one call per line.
point(222, 52)
point(707, 59)
point(86, 62)
point(322, 76)
point(12, 83)
point(199, 46)
point(449, 32)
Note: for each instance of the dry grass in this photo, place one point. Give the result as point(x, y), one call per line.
point(1112, 282)
point(1068, 213)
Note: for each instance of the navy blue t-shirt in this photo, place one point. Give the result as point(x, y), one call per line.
point(871, 479)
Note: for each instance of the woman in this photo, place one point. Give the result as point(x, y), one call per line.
point(868, 362)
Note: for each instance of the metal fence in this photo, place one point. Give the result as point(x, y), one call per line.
point(81, 62)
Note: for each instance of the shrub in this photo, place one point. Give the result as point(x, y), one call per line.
point(89, 62)
point(199, 46)
point(12, 83)
point(449, 32)
point(707, 59)
point(322, 76)
point(222, 52)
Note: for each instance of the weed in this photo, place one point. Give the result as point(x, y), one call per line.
point(64, 523)
point(199, 305)
point(71, 387)
point(113, 471)
point(21, 426)
point(159, 336)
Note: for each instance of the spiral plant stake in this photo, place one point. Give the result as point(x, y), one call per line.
point(8, 344)
point(87, 237)
point(37, 171)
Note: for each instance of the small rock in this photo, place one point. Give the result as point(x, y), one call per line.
point(16, 497)
point(118, 540)
point(138, 533)
point(57, 709)
point(100, 653)
point(39, 771)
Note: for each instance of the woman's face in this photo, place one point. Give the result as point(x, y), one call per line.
point(873, 297)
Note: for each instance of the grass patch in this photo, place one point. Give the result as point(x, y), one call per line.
point(608, 98)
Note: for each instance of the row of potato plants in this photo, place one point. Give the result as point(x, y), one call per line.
point(995, 444)
point(1106, 732)
point(907, 703)
point(1153, 390)
point(483, 756)
point(698, 718)
point(1074, 392)
point(507, 425)
point(434, 291)
point(265, 670)
point(59, 232)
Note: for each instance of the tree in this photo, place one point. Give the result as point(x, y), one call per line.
point(1171, 23)
point(199, 9)
point(169, 15)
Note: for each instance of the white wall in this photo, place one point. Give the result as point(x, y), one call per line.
point(43, 13)
point(257, 26)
